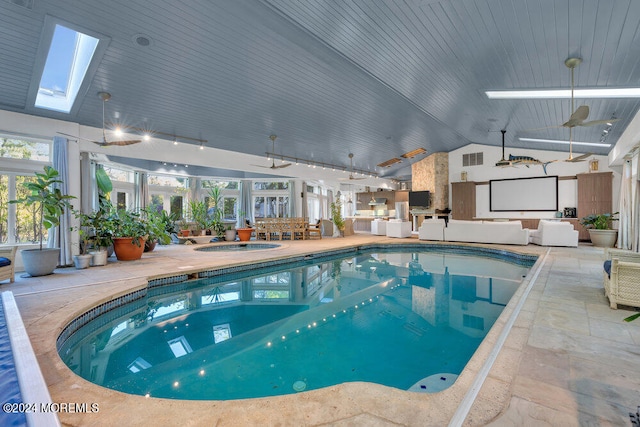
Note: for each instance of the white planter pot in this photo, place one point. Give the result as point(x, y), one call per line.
point(40, 262)
point(99, 257)
point(82, 261)
point(603, 238)
point(230, 235)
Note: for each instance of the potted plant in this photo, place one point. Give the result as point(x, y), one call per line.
point(600, 231)
point(156, 223)
point(198, 209)
point(51, 204)
point(230, 233)
point(336, 215)
point(129, 234)
point(102, 221)
point(84, 230)
point(244, 233)
point(184, 228)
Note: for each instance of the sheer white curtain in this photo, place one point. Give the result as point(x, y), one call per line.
point(305, 208)
point(141, 190)
point(246, 208)
point(625, 224)
point(292, 199)
point(635, 201)
point(60, 237)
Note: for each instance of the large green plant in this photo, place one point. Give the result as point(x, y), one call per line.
point(158, 226)
point(598, 221)
point(216, 213)
point(198, 213)
point(128, 223)
point(50, 202)
point(336, 214)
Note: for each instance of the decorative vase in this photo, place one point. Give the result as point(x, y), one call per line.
point(82, 261)
point(99, 257)
point(40, 262)
point(244, 234)
point(126, 250)
point(603, 238)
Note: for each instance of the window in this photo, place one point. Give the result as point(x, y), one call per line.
point(16, 148)
point(271, 206)
point(229, 207)
point(176, 206)
point(167, 192)
point(223, 185)
point(67, 65)
point(20, 157)
point(270, 185)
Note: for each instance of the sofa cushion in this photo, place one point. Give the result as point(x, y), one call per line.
point(607, 267)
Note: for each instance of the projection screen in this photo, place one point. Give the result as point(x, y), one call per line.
point(524, 194)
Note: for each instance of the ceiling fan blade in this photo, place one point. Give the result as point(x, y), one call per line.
point(284, 165)
point(598, 122)
point(118, 143)
point(578, 117)
point(580, 158)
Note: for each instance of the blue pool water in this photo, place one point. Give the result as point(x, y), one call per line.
point(391, 318)
point(9, 387)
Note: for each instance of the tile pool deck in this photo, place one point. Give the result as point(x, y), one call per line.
point(568, 359)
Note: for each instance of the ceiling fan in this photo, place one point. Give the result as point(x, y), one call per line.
point(578, 116)
point(273, 160)
point(351, 177)
point(105, 96)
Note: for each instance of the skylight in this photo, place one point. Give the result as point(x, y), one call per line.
point(66, 66)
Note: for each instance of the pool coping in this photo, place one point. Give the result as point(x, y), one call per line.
point(33, 388)
point(348, 400)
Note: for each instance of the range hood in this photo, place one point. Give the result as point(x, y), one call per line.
point(378, 201)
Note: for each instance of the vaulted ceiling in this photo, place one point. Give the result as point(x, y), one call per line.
point(376, 78)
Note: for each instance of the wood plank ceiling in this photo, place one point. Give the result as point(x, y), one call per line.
point(376, 78)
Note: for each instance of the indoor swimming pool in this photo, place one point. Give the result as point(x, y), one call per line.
point(405, 318)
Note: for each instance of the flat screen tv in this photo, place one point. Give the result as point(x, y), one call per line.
point(419, 199)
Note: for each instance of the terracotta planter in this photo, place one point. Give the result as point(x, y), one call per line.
point(244, 234)
point(184, 233)
point(126, 250)
point(150, 245)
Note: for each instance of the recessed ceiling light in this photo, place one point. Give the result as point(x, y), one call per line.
point(142, 40)
point(629, 92)
point(557, 141)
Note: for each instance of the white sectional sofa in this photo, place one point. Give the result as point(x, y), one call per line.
point(554, 233)
point(432, 229)
point(505, 232)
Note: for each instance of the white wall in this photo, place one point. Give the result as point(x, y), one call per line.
point(567, 189)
